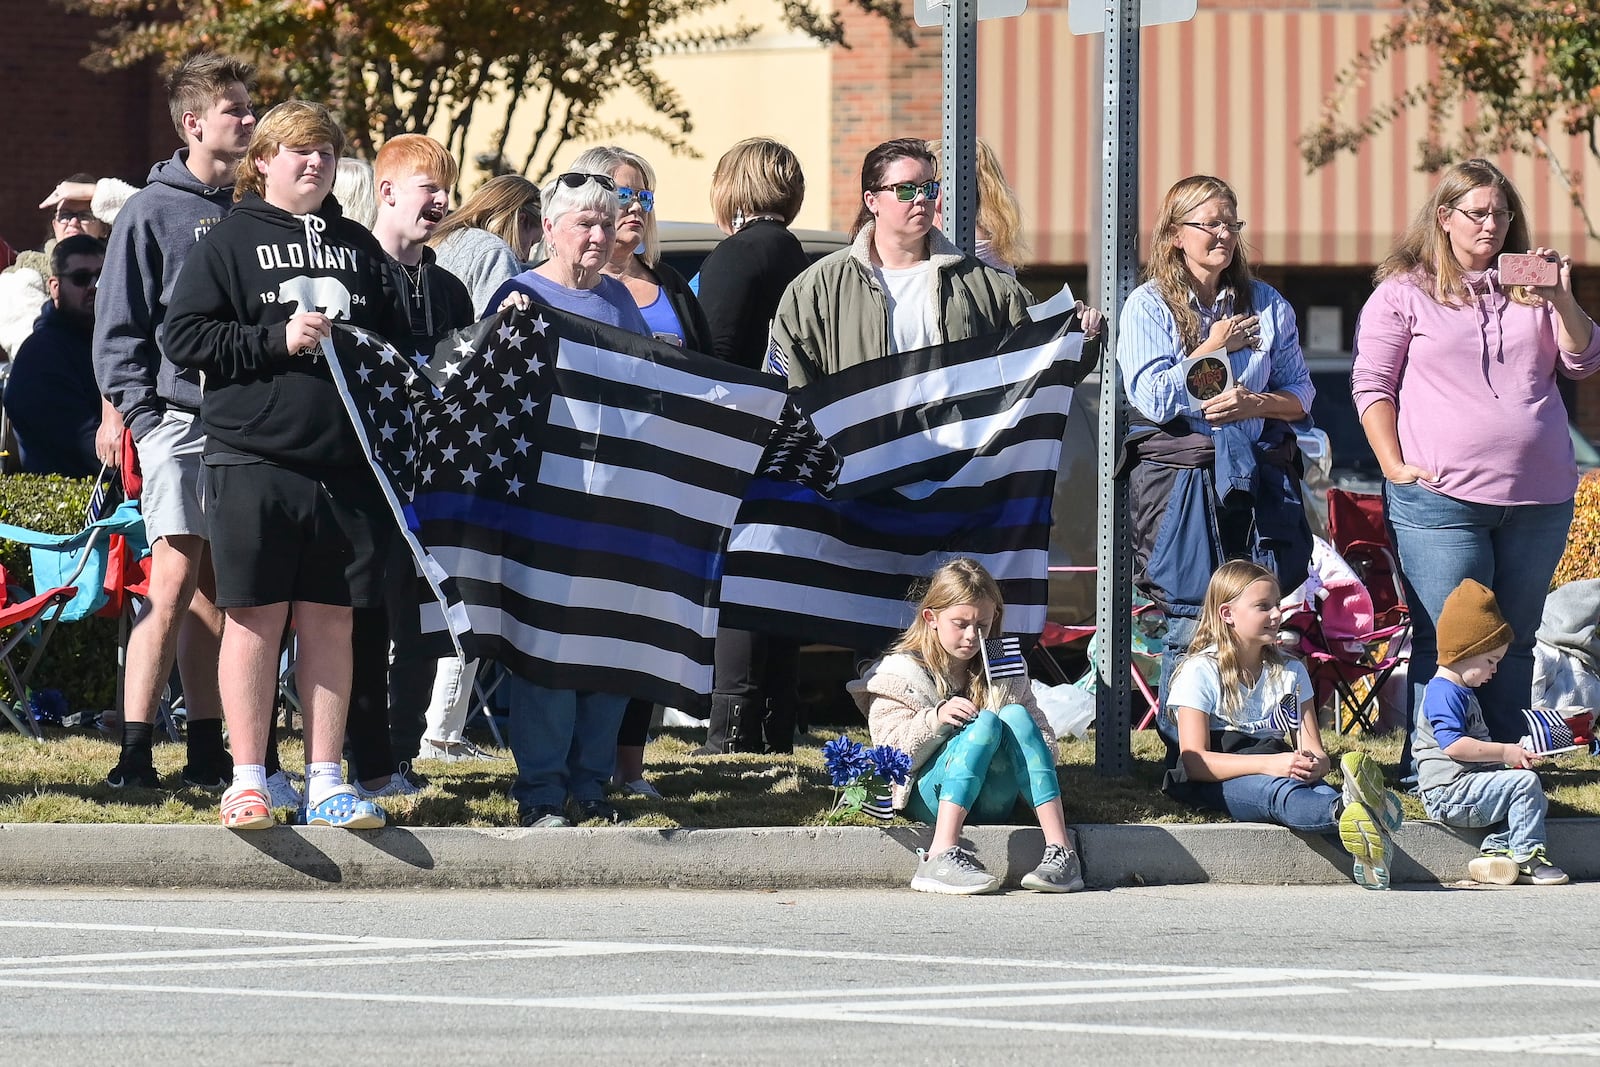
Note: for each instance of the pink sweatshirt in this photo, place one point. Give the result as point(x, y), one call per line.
point(1474, 386)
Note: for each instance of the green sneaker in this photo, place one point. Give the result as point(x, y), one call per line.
point(1363, 837)
point(1363, 784)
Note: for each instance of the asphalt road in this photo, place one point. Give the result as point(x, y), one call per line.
point(1189, 974)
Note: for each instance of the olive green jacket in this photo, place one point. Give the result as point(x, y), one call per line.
point(835, 315)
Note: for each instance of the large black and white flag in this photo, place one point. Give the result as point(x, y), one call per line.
point(569, 488)
point(891, 467)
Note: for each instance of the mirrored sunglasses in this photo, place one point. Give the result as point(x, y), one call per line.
point(626, 196)
point(907, 191)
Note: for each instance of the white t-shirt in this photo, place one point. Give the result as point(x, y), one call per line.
point(1270, 707)
point(911, 306)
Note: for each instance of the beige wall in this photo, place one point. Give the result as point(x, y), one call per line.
point(776, 86)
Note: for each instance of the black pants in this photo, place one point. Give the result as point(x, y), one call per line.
point(388, 704)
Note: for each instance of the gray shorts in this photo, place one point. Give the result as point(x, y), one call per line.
point(169, 462)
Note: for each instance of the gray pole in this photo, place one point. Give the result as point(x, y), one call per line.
point(1113, 751)
point(960, 174)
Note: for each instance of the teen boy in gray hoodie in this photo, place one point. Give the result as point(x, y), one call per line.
point(158, 401)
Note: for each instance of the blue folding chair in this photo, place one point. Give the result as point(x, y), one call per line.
point(69, 574)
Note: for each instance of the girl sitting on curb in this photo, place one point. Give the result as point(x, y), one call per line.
point(930, 697)
point(1242, 736)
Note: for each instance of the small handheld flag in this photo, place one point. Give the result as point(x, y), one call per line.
point(1548, 733)
point(1002, 658)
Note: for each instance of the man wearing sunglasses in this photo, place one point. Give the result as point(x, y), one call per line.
point(51, 397)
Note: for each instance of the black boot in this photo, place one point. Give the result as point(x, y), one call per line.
point(777, 726)
point(731, 728)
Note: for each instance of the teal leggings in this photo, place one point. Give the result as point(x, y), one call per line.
point(984, 768)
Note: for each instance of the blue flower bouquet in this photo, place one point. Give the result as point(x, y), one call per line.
point(862, 778)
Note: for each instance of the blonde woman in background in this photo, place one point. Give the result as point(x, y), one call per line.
point(486, 240)
point(999, 242)
point(663, 295)
point(353, 188)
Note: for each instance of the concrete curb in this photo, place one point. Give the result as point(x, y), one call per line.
point(777, 858)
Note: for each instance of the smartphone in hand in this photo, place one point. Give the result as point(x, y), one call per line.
point(1518, 268)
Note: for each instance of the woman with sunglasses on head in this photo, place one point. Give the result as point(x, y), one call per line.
point(486, 240)
point(564, 741)
point(901, 284)
point(1455, 379)
point(1215, 470)
point(663, 296)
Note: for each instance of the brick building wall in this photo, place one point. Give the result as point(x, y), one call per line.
point(60, 119)
point(881, 89)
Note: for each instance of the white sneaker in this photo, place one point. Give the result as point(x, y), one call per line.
point(398, 785)
point(452, 751)
point(281, 791)
point(639, 787)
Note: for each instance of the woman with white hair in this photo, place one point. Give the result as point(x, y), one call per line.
point(580, 227)
point(665, 300)
point(565, 740)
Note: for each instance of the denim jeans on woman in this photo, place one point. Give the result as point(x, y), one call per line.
point(1511, 549)
point(564, 742)
point(985, 767)
point(1485, 798)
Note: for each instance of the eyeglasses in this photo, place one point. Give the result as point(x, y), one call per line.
point(577, 179)
point(1215, 227)
point(905, 192)
point(626, 196)
point(82, 277)
point(1479, 218)
point(75, 216)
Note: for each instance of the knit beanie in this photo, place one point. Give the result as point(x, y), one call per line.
point(1470, 624)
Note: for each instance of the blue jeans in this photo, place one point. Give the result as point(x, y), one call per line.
point(1512, 550)
point(564, 741)
point(1484, 798)
point(1174, 646)
point(1311, 807)
point(985, 767)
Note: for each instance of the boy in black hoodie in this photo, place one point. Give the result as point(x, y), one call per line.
point(295, 513)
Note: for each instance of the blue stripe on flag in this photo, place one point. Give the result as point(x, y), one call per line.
point(647, 548)
point(1020, 511)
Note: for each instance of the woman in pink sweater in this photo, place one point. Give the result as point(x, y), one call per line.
point(1455, 383)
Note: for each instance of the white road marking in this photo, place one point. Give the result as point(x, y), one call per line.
point(906, 1006)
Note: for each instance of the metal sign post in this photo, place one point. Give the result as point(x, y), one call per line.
point(960, 170)
point(1119, 265)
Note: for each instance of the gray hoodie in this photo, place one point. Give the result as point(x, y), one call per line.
point(151, 239)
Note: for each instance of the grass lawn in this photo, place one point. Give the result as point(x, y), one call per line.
point(63, 781)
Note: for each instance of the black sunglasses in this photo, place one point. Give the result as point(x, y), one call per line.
point(82, 277)
point(577, 179)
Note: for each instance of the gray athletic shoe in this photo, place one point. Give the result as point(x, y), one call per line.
point(953, 872)
point(1058, 872)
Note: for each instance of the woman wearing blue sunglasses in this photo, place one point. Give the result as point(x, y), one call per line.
point(663, 296)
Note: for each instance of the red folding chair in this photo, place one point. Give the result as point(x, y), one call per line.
point(33, 619)
point(1357, 532)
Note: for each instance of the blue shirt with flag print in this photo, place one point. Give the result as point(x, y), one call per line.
point(1270, 708)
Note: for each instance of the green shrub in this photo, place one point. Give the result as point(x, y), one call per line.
point(81, 658)
point(1582, 558)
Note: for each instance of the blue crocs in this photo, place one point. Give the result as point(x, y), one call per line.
point(345, 809)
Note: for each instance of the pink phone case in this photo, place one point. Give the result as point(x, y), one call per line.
point(1518, 268)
